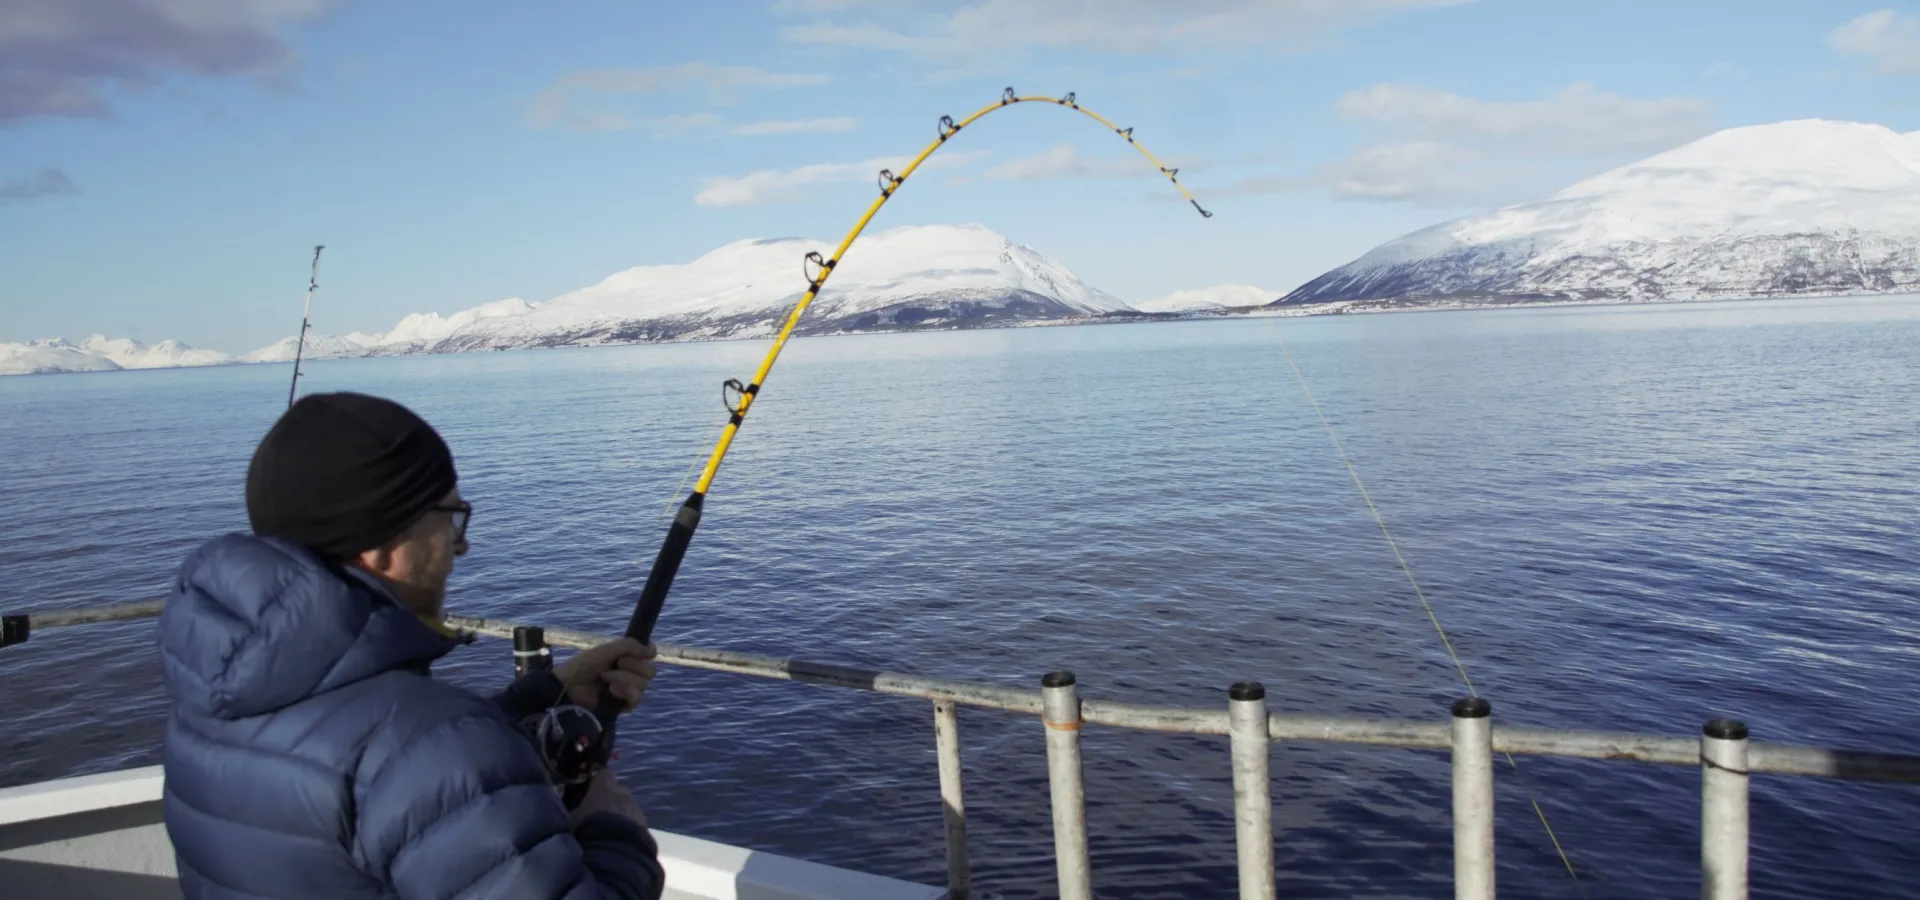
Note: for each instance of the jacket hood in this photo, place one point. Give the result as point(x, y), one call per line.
point(257, 624)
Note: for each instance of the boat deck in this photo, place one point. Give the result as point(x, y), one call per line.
point(102, 836)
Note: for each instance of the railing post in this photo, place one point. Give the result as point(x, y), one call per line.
point(530, 650)
point(946, 735)
point(1723, 810)
point(1252, 792)
point(1060, 701)
point(1472, 799)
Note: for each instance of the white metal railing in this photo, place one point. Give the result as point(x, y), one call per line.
point(1724, 753)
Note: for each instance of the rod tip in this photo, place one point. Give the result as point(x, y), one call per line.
point(1247, 690)
point(1725, 730)
point(1062, 678)
point(1472, 708)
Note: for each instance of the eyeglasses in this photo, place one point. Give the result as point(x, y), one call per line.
point(461, 512)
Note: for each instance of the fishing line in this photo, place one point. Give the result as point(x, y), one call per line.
point(816, 270)
point(596, 750)
point(1413, 582)
point(666, 508)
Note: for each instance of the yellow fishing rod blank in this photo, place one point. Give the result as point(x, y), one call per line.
point(817, 270)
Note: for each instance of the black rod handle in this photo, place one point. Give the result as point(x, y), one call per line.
point(653, 598)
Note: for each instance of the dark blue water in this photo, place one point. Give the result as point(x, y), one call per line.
point(1626, 518)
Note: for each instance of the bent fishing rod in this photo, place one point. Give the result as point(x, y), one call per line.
point(673, 549)
point(306, 312)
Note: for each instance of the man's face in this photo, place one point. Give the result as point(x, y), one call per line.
point(418, 563)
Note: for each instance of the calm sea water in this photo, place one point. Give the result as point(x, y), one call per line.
point(1627, 518)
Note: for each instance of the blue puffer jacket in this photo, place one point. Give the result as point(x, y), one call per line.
point(310, 755)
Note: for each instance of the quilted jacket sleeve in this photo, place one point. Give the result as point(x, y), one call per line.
point(466, 811)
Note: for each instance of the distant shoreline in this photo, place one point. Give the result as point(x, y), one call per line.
point(1332, 308)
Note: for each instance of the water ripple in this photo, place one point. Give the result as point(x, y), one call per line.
point(1627, 519)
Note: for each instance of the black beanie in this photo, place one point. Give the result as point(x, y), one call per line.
point(342, 473)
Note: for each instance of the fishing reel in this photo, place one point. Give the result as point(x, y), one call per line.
point(568, 739)
point(571, 739)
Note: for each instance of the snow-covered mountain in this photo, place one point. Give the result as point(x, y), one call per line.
point(931, 276)
point(421, 331)
point(1805, 207)
point(131, 354)
point(101, 354)
point(319, 346)
point(47, 356)
point(1220, 296)
point(920, 276)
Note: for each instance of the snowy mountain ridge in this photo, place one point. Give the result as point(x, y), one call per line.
point(930, 276)
point(1793, 208)
point(904, 277)
point(99, 353)
point(1801, 208)
point(1219, 296)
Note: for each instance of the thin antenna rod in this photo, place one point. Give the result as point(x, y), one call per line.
point(306, 310)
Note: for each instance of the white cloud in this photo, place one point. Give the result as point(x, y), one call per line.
point(820, 6)
point(688, 123)
point(555, 109)
point(1424, 172)
point(789, 185)
point(1416, 171)
point(1442, 149)
point(669, 126)
point(865, 37)
point(1578, 120)
point(1124, 26)
point(587, 120)
point(559, 105)
point(1890, 39)
point(831, 123)
point(719, 79)
point(1065, 161)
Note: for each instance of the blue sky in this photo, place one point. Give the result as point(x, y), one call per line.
point(167, 165)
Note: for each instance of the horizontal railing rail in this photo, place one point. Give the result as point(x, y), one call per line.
point(1724, 754)
point(1778, 759)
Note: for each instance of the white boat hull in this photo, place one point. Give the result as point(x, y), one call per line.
point(102, 836)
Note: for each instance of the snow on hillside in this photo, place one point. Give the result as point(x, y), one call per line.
point(903, 277)
point(49, 356)
point(1220, 296)
point(99, 353)
point(1802, 207)
point(422, 330)
point(931, 276)
point(910, 277)
point(127, 353)
point(319, 346)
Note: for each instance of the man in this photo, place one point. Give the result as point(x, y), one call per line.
point(310, 754)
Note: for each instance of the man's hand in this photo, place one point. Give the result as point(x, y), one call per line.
point(624, 667)
point(605, 793)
